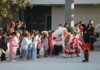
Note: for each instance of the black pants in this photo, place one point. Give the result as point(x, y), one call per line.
point(57, 49)
point(3, 56)
point(38, 50)
point(86, 54)
point(18, 51)
point(92, 47)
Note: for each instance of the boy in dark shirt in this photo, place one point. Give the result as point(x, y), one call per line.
point(3, 46)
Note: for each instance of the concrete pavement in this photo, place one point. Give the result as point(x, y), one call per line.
point(55, 63)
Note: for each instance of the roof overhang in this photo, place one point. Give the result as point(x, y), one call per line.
point(61, 2)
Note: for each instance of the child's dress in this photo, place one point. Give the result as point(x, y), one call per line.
point(51, 42)
point(13, 45)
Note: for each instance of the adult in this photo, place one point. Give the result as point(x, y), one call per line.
point(11, 28)
point(87, 43)
point(69, 29)
point(91, 29)
point(59, 39)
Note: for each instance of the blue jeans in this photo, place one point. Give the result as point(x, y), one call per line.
point(34, 52)
point(29, 56)
point(24, 54)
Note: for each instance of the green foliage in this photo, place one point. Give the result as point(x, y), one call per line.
point(8, 8)
point(23, 3)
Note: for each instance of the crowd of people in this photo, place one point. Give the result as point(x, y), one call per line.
point(66, 40)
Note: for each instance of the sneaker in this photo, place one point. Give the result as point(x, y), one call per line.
point(3, 61)
point(23, 59)
point(65, 56)
point(13, 60)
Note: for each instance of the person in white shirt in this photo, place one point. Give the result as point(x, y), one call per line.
point(24, 46)
point(59, 39)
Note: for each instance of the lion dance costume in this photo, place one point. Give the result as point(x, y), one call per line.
point(73, 45)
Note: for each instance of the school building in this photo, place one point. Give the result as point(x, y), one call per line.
point(47, 14)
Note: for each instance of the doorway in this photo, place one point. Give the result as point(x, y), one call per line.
point(37, 18)
point(48, 22)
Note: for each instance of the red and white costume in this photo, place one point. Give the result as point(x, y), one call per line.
point(72, 43)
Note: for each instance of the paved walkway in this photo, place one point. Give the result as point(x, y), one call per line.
point(55, 63)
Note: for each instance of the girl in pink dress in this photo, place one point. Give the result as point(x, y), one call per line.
point(51, 43)
point(13, 45)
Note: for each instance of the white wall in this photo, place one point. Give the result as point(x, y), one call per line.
point(87, 1)
point(82, 12)
point(58, 16)
point(63, 1)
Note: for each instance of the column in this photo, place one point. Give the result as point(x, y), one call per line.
point(69, 12)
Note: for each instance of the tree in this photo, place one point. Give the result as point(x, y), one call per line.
point(8, 8)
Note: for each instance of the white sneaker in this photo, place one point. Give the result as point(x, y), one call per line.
point(3, 61)
point(13, 60)
point(65, 56)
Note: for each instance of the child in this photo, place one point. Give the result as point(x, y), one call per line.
point(39, 44)
point(30, 47)
point(3, 46)
point(45, 44)
point(51, 42)
point(34, 50)
point(13, 45)
point(24, 46)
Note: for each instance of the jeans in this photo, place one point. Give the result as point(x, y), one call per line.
point(34, 52)
point(29, 56)
point(24, 54)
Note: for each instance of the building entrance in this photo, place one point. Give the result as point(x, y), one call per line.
point(38, 18)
